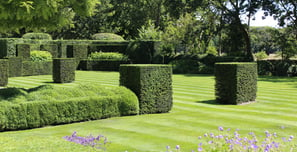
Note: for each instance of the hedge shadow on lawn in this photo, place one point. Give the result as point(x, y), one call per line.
point(212, 102)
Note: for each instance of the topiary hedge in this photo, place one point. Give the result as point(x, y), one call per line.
point(15, 66)
point(37, 68)
point(23, 50)
point(236, 82)
point(38, 36)
point(64, 70)
point(151, 83)
point(49, 105)
point(107, 36)
point(4, 66)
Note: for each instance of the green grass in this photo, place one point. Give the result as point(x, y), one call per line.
point(194, 113)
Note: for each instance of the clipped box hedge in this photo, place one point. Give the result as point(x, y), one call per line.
point(15, 66)
point(23, 50)
point(235, 82)
point(64, 70)
point(37, 68)
point(4, 71)
point(151, 83)
point(49, 105)
point(101, 65)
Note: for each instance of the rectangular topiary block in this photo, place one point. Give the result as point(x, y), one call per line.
point(78, 52)
point(15, 66)
point(4, 66)
point(64, 70)
point(236, 82)
point(151, 83)
point(23, 50)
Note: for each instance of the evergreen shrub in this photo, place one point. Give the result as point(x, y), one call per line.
point(40, 56)
point(236, 82)
point(144, 52)
point(49, 105)
point(64, 70)
point(15, 66)
point(38, 36)
point(151, 83)
point(4, 71)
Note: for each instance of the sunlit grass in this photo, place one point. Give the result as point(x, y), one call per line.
point(194, 113)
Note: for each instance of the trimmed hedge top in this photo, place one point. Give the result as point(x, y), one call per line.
point(107, 36)
point(39, 36)
point(49, 105)
point(108, 56)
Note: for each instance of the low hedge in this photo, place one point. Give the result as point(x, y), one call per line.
point(49, 105)
point(101, 65)
point(275, 67)
point(15, 66)
point(151, 83)
point(37, 68)
point(235, 82)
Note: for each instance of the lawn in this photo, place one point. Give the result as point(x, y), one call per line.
point(194, 113)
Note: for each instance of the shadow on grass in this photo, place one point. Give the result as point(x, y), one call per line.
point(195, 75)
point(213, 102)
point(7, 93)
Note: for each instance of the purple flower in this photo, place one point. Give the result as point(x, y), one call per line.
point(221, 128)
point(177, 147)
point(200, 149)
point(228, 129)
point(167, 147)
point(254, 146)
point(205, 135)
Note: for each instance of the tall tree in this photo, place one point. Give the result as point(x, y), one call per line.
point(41, 14)
point(232, 10)
point(285, 11)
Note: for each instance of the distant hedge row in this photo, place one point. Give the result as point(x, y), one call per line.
point(277, 67)
point(138, 51)
point(48, 105)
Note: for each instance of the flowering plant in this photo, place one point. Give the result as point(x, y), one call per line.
point(98, 142)
point(226, 141)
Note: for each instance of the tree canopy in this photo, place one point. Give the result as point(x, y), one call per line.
point(42, 14)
